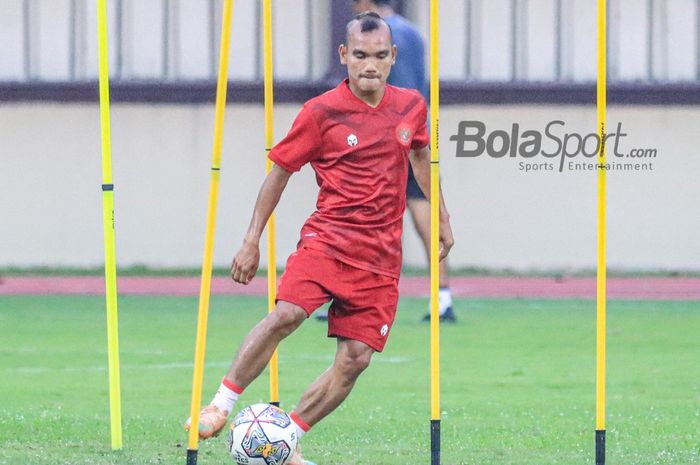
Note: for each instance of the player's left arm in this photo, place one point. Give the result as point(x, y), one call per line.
point(420, 162)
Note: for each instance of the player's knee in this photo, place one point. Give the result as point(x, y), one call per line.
point(285, 319)
point(353, 364)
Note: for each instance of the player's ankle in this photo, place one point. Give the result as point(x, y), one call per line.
point(300, 425)
point(227, 395)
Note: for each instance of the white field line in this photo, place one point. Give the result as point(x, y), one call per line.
point(188, 365)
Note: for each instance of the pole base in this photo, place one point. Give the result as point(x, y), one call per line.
point(191, 456)
point(434, 442)
point(600, 447)
point(276, 404)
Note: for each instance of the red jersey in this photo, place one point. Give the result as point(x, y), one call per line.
point(360, 156)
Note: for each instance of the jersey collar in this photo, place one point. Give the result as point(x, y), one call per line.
point(345, 88)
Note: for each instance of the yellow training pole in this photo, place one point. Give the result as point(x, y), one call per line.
point(269, 140)
point(115, 405)
point(434, 233)
point(601, 275)
point(205, 286)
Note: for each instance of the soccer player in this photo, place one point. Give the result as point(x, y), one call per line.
point(359, 139)
point(409, 72)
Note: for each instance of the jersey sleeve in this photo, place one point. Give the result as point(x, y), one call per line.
point(422, 137)
point(301, 145)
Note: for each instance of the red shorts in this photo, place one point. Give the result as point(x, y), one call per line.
point(364, 303)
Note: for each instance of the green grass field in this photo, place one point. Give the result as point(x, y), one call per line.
point(517, 383)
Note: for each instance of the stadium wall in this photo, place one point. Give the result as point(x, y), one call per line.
point(503, 217)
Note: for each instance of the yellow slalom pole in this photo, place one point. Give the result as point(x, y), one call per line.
point(434, 232)
point(601, 274)
point(269, 140)
point(205, 287)
point(115, 406)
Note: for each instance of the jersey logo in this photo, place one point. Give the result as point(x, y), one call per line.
point(384, 330)
point(403, 134)
point(352, 140)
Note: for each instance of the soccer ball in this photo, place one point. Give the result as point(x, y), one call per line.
point(262, 434)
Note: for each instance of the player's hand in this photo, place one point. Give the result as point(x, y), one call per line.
point(446, 238)
point(246, 262)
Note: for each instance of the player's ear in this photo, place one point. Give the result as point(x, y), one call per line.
point(343, 53)
point(394, 51)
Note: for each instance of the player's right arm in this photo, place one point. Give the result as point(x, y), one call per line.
point(247, 260)
point(299, 147)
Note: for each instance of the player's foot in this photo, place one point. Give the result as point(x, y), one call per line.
point(297, 459)
point(211, 421)
point(322, 315)
point(447, 317)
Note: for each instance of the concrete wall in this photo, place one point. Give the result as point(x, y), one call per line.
point(50, 198)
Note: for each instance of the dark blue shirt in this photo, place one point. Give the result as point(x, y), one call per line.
point(409, 70)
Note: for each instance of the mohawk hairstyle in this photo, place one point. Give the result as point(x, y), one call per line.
point(369, 21)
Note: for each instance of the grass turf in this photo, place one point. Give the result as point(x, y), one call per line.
point(517, 383)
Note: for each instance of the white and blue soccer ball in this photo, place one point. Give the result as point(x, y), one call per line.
point(262, 434)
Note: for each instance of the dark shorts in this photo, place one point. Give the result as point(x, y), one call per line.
point(364, 303)
point(413, 191)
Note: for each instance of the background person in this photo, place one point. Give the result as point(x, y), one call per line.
point(409, 72)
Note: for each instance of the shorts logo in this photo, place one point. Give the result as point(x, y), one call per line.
point(384, 330)
point(403, 134)
point(352, 140)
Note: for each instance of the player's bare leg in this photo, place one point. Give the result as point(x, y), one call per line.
point(251, 359)
point(257, 347)
point(333, 386)
point(420, 214)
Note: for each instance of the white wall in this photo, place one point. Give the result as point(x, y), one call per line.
point(673, 39)
point(475, 35)
point(50, 198)
point(301, 35)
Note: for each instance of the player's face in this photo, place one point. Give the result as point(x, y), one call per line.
point(369, 57)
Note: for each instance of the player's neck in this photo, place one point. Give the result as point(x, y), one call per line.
point(373, 99)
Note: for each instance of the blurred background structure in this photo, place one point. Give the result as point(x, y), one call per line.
point(503, 62)
point(652, 41)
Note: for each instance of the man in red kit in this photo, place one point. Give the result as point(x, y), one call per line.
point(359, 139)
